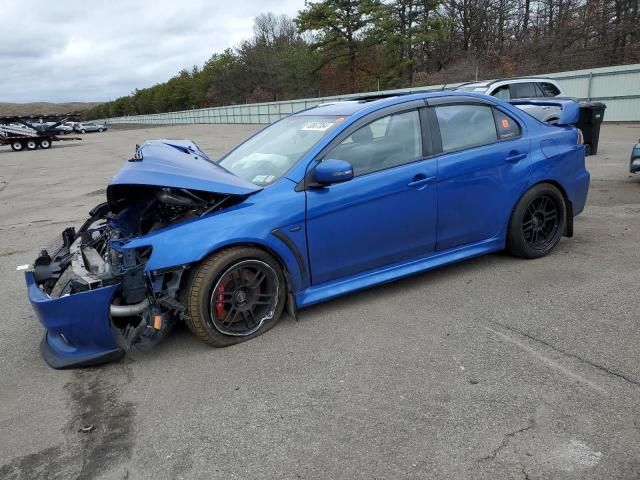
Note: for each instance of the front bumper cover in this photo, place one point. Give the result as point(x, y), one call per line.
point(78, 328)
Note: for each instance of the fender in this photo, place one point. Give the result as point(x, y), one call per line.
point(191, 241)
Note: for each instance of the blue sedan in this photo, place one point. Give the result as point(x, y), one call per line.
point(322, 203)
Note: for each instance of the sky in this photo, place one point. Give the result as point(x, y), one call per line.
point(101, 50)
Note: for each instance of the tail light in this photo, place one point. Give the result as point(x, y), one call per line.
point(580, 137)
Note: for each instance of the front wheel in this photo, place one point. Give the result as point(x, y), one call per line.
point(234, 295)
point(17, 146)
point(45, 143)
point(537, 223)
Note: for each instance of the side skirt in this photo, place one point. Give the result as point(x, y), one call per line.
point(354, 283)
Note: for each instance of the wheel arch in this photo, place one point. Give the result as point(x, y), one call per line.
point(290, 280)
point(568, 232)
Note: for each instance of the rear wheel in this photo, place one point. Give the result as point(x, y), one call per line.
point(45, 143)
point(32, 145)
point(16, 146)
point(587, 149)
point(537, 223)
point(83, 131)
point(234, 295)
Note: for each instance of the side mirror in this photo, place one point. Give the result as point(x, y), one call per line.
point(333, 171)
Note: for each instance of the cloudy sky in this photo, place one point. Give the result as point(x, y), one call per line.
point(100, 50)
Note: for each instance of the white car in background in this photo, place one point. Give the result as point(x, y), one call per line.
point(85, 127)
point(516, 88)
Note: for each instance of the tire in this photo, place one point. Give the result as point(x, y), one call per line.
point(83, 131)
point(537, 222)
point(45, 143)
point(100, 130)
point(17, 146)
point(587, 149)
point(220, 300)
point(31, 145)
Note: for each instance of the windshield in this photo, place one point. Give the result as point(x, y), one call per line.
point(268, 155)
point(473, 88)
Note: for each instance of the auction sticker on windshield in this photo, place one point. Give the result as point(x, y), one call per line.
point(317, 126)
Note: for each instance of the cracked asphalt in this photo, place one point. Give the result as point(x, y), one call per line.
point(495, 368)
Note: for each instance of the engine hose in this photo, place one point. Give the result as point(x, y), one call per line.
point(128, 310)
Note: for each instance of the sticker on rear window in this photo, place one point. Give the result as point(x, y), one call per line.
point(505, 123)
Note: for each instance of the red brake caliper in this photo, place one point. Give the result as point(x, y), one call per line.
point(219, 304)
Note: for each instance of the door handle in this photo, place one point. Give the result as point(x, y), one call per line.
point(420, 180)
point(515, 157)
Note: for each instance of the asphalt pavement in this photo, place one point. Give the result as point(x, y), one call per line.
point(495, 368)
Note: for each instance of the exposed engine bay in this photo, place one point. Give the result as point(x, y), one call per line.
point(145, 304)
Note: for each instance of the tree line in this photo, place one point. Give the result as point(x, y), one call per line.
point(344, 46)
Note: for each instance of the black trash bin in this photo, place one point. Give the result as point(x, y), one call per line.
point(591, 116)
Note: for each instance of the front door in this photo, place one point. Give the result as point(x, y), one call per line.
point(386, 213)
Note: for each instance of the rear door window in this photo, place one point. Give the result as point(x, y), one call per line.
point(539, 92)
point(523, 90)
point(465, 126)
point(549, 89)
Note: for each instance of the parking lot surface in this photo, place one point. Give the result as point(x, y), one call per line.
point(495, 368)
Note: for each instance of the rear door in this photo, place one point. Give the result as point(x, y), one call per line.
point(482, 169)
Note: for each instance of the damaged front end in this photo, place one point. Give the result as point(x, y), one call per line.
point(94, 295)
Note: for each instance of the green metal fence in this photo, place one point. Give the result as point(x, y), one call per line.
point(618, 87)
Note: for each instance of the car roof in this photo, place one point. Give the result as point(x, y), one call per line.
point(485, 83)
point(350, 107)
point(344, 107)
point(489, 83)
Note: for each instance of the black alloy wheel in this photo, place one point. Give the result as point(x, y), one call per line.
point(234, 295)
point(244, 298)
point(538, 222)
point(541, 222)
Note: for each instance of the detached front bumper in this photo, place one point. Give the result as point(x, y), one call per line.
point(78, 328)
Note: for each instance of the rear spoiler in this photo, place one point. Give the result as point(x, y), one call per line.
point(570, 114)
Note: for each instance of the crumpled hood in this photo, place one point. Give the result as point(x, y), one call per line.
point(179, 164)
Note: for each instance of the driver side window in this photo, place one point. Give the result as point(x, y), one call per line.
point(384, 143)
